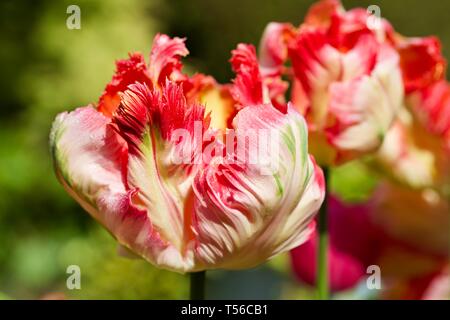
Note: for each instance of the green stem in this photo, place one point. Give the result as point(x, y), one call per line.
point(322, 257)
point(198, 285)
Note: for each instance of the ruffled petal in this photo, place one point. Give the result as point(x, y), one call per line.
point(353, 96)
point(88, 155)
point(127, 72)
point(338, 63)
point(347, 27)
point(364, 110)
point(273, 47)
point(247, 211)
point(165, 59)
point(164, 63)
point(248, 85)
point(90, 161)
point(163, 148)
point(316, 65)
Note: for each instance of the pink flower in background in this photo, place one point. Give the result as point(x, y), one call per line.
point(403, 231)
point(351, 247)
point(118, 162)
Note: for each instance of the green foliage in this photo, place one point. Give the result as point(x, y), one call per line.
point(353, 181)
point(107, 275)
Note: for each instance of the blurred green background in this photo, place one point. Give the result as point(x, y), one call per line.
point(47, 68)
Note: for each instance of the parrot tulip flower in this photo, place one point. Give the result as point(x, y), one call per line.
point(212, 207)
point(351, 80)
point(339, 61)
point(347, 80)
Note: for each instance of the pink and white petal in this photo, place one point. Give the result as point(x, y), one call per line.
point(361, 59)
point(165, 59)
point(316, 65)
point(348, 27)
point(90, 159)
point(364, 109)
point(363, 115)
point(161, 162)
point(131, 226)
point(248, 211)
point(273, 47)
point(305, 211)
point(388, 73)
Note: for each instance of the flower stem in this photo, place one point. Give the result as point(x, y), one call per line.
point(322, 257)
point(197, 290)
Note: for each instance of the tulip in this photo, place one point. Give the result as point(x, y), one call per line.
point(154, 165)
point(335, 54)
point(422, 66)
point(347, 82)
